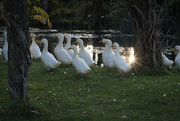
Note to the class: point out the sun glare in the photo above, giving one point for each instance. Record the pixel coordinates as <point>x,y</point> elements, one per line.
<point>131,57</point>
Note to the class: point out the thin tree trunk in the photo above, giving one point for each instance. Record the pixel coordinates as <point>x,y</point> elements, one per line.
<point>145,26</point>
<point>19,59</point>
<point>97,13</point>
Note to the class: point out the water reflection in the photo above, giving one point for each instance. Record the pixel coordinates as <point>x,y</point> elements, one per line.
<point>92,45</point>
<point>96,52</point>
<point>91,42</point>
<point>131,56</point>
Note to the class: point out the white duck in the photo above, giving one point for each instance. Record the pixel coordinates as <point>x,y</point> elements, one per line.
<point>119,62</point>
<point>68,44</point>
<point>177,59</point>
<point>34,48</point>
<point>78,63</point>
<point>0,51</point>
<point>166,61</point>
<point>60,52</point>
<point>84,54</point>
<point>5,47</point>
<point>109,55</point>
<point>47,58</point>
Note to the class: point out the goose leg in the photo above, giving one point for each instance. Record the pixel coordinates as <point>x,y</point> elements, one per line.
<point>123,74</point>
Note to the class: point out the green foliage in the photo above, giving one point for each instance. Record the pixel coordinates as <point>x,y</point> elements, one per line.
<point>121,18</point>
<point>171,2</point>
<point>3,19</point>
<point>37,13</point>
<point>62,95</point>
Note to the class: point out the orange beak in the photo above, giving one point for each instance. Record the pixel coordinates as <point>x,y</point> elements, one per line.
<point>55,36</point>
<point>69,48</point>
<point>38,41</point>
<point>174,49</point>
<point>102,42</point>
<point>75,42</point>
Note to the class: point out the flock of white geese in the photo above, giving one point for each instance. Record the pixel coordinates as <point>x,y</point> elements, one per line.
<point>81,61</point>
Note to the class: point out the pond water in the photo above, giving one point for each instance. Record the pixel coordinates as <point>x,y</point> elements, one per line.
<point>91,42</point>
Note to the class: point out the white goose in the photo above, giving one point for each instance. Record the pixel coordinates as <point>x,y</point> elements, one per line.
<point>119,62</point>
<point>47,58</point>
<point>68,44</point>
<point>109,55</point>
<point>60,52</point>
<point>166,61</point>
<point>78,63</point>
<point>34,48</point>
<point>0,51</point>
<point>177,59</point>
<point>5,47</point>
<point>84,54</point>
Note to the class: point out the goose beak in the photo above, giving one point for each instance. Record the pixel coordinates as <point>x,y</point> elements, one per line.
<point>75,42</point>
<point>55,36</point>
<point>173,49</point>
<point>38,41</point>
<point>102,42</point>
<point>69,48</point>
<point>112,46</point>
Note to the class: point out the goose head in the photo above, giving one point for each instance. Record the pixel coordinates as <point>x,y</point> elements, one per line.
<point>115,44</point>
<point>108,42</point>
<point>33,36</point>
<point>177,47</point>
<point>103,41</point>
<point>44,40</point>
<point>5,34</point>
<point>67,36</point>
<point>79,41</point>
<point>73,47</point>
<point>60,36</point>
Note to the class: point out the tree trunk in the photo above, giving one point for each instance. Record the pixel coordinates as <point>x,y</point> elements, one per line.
<point>97,13</point>
<point>19,59</point>
<point>147,47</point>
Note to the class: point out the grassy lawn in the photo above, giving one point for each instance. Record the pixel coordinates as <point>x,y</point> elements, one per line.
<point>104,96</point>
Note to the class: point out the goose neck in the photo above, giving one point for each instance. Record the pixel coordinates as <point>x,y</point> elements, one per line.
<point>75,54</point>
<point>82,46</point>
<point>68,44</point>
<point>33,41</point>
<point>45,49</point>
<point>60,43</point>
<point>178,55</point>
<point>117,51</point>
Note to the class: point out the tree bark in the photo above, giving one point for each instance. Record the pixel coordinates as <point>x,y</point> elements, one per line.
<point>147,47</point>
<point>97,13</point>
<point>19,59</point>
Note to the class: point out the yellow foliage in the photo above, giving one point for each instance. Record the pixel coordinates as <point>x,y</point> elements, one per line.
<point>41,15</point>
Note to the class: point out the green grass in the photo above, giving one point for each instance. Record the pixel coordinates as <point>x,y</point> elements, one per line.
<point>104,96</point>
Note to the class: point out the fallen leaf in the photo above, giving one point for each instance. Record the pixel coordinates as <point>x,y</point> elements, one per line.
<point>89,118</point>
<point>124,117</point>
